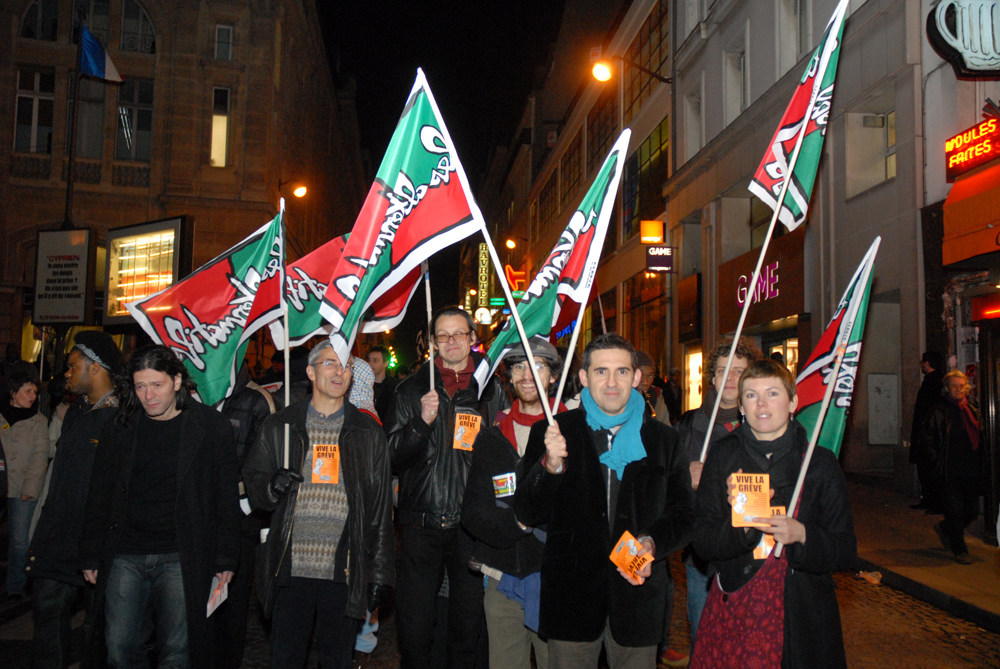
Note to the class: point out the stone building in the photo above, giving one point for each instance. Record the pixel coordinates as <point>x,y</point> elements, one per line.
<point>223,104</point>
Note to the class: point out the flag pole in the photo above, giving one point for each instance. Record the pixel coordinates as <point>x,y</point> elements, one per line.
<point>569,353</point>
<point>517,322</point>
<point>284,317</point>
<point>70,170</point>
<point>600,307</point>
<point>425,268</point>
<point>752,290</point>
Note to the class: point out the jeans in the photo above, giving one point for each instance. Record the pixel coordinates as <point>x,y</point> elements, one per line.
<point>425,555</point>
<point>52,610</point>
<point>141,589</point>
<point>18,521</point>
<point>295,608</point>
<point>697,595</point>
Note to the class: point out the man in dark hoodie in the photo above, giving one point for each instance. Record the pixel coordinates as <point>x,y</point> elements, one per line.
<point>95,366</point>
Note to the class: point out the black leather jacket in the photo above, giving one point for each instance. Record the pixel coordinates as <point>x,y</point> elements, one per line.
<point>364,463</point>
<point>432,474</point>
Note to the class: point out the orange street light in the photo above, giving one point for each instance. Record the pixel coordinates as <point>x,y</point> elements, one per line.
<point>511,244</point>
<point>299,190</point>
<point>604,69</point>
<point>472,291</point>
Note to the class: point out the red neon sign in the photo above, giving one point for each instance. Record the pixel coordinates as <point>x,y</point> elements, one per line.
<point>985,307</point>
<point>971,148</point>
<point>514,277</point>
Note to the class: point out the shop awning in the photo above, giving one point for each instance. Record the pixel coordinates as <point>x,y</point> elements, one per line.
<point>972,217</point>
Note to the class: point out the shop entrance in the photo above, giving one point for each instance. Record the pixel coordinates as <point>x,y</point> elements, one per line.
<point>786,343</point>
<point>989,406</point>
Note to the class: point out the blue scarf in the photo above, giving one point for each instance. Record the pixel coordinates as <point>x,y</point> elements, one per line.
<point>628,442</point>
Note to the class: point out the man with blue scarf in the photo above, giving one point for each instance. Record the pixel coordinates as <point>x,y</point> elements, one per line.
<point>600,470</point>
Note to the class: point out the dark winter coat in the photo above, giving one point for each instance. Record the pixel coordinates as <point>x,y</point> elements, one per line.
<point>813,636</point>
<point>928,395</point>
<point>54,552</point>
<point>364,463</point>
<point>581,589</point>
<point>947,445</point>
<point>432,474</point>
<point>207,511</point>
<point>499,541</point>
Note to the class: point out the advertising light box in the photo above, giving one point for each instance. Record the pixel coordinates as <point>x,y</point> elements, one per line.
<point>971,148</point>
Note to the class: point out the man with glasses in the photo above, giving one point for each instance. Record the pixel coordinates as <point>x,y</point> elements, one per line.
<point>329,551</point>
<point>431,445</point>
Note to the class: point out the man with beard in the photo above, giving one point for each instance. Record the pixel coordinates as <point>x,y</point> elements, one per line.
<point>510,552</point>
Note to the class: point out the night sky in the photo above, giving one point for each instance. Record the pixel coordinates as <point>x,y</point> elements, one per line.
<point>481,59</point>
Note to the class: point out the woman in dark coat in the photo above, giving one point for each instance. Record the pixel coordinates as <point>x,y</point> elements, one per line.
<point>819,540</point>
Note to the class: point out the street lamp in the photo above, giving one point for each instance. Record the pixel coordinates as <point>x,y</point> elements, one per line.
<point>511,244</point>
<point>604,69</point>
<point>299,190</point>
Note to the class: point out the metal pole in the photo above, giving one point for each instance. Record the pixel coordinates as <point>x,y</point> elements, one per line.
<point>425,268</point>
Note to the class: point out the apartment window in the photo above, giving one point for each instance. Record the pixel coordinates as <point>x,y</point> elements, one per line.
<point>651,49</point>
<point>220,126</point>
<point>90,122</point>
<point>569,170</point>
<point>602,123</point>
<point>692,15</point>
<point>96,14</point>
<point>223,42</point>
<point>643,178</point>
<point>41,20</point>
<point>134,136</point>
<point>871,150</point>
<point>137,29</point>
<point>793,33</point>
<point>693,123</point>
<point>735,80</point>
<point>760,218</point>
<point>548,202</point>
<point>34,115</point>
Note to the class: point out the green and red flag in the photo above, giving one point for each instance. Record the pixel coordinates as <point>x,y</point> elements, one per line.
<point>203,318</point>
<point>845,332</point>
<point>568,273</point>
<point>419,204</point>
<point>306,281</point>
<point>808,112</point>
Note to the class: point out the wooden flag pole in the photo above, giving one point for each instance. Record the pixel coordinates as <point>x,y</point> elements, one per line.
<point>517,322</point>
<point>284,317</point>
<point>569,354</point>
<point>751,291</point>
<point>425,268</point>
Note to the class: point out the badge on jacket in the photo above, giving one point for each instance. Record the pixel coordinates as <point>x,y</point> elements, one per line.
<point>466,429</point>
<point>504,485</point>
<point>326,464</point>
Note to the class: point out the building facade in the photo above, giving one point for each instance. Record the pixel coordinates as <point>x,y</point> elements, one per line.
<point>225,107</point>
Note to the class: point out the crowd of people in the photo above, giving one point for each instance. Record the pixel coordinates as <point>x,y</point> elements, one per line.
<point>165,515</point>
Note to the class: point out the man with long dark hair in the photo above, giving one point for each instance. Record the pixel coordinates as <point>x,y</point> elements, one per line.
<point>162,516</point>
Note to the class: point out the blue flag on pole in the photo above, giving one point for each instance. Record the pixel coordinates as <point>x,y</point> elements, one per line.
<point>94,60</point>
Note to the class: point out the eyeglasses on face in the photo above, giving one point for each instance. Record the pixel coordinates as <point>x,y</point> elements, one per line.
<point>333,366</point>
<point>444,337</point>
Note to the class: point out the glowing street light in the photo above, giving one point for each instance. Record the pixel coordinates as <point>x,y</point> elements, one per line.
<point>511,244</point>
<point>604,69</point>
<point>299,191</point>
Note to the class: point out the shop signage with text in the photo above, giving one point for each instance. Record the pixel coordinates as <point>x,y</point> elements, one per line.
<point>767,285</point>
<point>660,258</point>
<point>971,148</point>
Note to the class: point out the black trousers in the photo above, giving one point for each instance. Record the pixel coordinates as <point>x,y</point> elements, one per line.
<point>961,507</point>
<point>425,556</point>
<point>297,606</point>
<point>230,620</point>
<point>52,611</point>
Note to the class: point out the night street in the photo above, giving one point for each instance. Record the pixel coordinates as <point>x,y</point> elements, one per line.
<point>883,627</point>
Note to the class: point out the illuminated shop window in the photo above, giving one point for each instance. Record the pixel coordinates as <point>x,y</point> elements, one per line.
<point>140,265</point>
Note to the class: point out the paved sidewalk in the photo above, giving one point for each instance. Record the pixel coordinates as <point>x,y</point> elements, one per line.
<point>901,543</point>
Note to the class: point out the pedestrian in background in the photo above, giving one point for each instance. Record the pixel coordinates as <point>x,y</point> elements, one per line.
<point>932,366</point>
<point>24,434</point>
<point>951,432</point>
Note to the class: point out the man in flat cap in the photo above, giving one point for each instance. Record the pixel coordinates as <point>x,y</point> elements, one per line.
<point>95,366</point>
